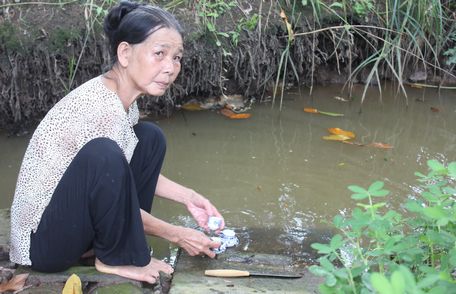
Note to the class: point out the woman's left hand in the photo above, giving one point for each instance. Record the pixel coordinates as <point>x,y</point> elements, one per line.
<point>201,209</point>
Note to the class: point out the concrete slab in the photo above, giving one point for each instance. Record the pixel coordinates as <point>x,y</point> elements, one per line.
<point>189,274</point>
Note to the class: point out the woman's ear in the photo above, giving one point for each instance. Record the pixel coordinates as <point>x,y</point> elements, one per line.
<point>123,53</point>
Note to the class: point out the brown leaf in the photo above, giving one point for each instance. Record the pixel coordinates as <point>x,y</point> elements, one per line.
<point>15,284</point>
<point>226,112</point>
<point>231,114</point>
<point>434,109</point>
<point>310,110</point>
<point>338,131</point>
<point>240,116</point>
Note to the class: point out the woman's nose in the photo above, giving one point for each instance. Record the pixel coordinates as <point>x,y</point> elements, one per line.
<point>168,66</point>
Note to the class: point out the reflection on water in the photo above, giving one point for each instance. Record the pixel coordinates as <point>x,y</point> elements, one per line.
<point>273,177</point>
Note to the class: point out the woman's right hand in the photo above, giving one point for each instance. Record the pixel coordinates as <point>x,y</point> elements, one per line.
<point>196,242</point>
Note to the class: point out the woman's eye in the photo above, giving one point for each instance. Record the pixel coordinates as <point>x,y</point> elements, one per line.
<point>178,58</point>
<point>159,53</point>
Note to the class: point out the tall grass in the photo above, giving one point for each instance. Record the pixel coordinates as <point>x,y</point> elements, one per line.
<point>401,35</point>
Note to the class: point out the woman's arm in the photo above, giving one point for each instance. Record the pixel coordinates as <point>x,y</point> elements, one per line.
<point>200,208</point>
<point>192,241</point>
<point>172,190</point>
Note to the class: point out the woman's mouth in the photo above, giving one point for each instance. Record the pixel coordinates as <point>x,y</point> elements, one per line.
<point>163,85</point>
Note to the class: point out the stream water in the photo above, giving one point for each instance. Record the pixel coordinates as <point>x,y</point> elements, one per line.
<point>274,178</point>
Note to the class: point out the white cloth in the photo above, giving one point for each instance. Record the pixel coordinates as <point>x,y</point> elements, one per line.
<point>90,111</point>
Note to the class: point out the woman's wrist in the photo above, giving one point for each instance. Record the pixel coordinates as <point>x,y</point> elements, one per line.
<point>175,234</point>
<point>189,196</point>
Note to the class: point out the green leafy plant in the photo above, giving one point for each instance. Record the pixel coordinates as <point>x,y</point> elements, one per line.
<point>451,53</point>
<point>382,250</point>
<point>245,24</point>
<point>210,11</point>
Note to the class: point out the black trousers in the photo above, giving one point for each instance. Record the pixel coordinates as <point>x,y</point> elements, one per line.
<point>97,205</point>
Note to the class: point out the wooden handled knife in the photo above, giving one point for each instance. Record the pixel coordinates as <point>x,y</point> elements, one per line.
<point>231,273</point>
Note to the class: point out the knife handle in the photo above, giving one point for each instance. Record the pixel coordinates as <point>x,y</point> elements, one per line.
<point>226,273</point>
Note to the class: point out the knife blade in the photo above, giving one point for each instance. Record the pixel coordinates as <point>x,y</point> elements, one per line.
<point>232,273</point>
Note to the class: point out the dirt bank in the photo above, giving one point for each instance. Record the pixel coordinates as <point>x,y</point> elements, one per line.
<point>47,50</point>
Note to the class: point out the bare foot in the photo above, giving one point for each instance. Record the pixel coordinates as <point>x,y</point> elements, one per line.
<point>148,273</point>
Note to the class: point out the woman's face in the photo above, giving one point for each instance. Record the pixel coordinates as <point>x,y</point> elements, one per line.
<point>155,63</point>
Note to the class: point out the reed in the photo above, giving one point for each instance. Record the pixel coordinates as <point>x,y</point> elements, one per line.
<point>401,35</point>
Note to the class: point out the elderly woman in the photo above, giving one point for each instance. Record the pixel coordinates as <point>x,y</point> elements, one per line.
<point>91,170</point>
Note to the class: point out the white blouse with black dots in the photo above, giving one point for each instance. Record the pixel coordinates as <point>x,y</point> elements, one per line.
<point>90,111</point>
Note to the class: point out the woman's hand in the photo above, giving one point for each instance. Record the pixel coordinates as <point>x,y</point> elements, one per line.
<point>201,209</point>
<point>195,242</point>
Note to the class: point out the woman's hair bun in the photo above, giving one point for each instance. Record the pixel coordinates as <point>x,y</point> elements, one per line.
<point>117,13</point>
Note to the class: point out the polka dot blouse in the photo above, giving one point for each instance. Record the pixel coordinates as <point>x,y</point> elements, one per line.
<point>90,111</point>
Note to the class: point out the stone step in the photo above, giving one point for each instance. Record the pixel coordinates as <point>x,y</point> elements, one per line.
<point>189,275</point>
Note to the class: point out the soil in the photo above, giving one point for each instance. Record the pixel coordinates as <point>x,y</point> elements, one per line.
<point>44,54</point>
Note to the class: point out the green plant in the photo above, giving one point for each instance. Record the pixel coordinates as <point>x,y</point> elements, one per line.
<point>285,58</point>
<point>451,53</point>
<point>94,13</point>
<point>60,39</point>
<point>381,250</point>
<point>400,34</point>
<point>245,24</point>
<point>8,37</point>
<point>210,11</point>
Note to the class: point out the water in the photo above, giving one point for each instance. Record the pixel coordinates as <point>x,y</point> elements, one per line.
<point>274,178</point>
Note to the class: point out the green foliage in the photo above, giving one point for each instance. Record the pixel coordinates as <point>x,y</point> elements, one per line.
<point>8,37</point>
<point>380,250</point>
<point>451,53</point>
<point>362,7</point>
<point>210,11</point>
<point>62,38</point>
<point>248,24</point>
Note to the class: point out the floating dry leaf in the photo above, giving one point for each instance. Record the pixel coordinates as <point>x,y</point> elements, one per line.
<point>337,138</point>
<point>231,114</point>
<point>310,110</point>
<point>15,284</point>
<point>240,116</point>
<point>314,110</point>
<point>338,131</point>
<point>73,285</point>
<point>434,109</point>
